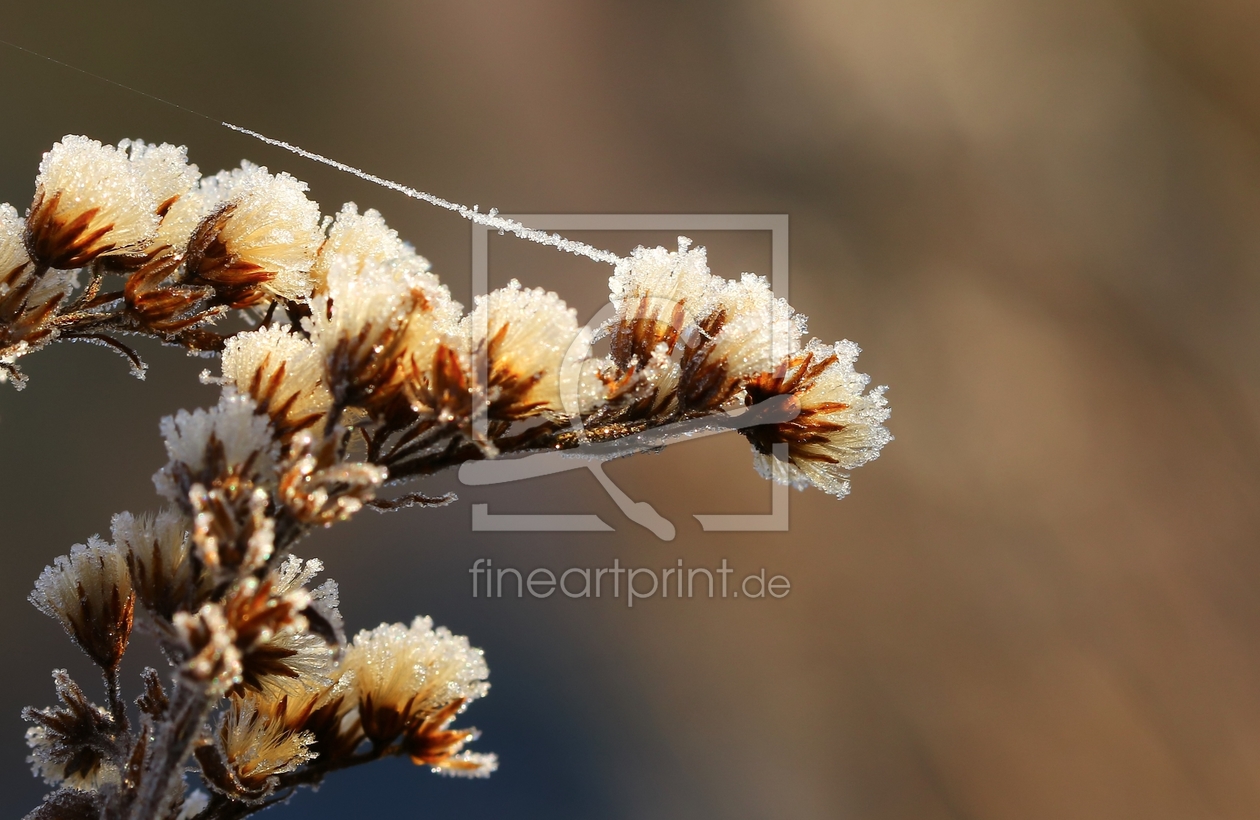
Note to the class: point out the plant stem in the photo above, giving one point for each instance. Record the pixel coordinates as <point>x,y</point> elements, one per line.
<point>117,708</point>
<point>179,731</point>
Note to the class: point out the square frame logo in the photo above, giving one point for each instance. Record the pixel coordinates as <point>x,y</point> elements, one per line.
<point>640,512</point>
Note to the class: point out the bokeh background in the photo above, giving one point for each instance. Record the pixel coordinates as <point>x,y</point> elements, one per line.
<point>1040,220</point>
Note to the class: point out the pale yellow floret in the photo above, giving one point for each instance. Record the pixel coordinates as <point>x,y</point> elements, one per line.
<point>272,226</point>
<point>528,333</point>
<point>252,363</point>
<point>80,589</point>
<point>398,665</point>
<point>81,174</point>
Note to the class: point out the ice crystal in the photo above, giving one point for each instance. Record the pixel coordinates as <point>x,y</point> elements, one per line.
<point>65,742</point>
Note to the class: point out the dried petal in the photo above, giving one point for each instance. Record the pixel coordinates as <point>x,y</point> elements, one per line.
<point>216,447</point>
<point>251,747</point>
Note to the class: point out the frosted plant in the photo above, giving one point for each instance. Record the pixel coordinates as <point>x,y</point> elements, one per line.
<point>359,371</point>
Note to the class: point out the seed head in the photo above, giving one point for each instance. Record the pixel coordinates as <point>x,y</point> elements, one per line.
<point>839,426</point>
<point>259,239</point>
<point>282,372</point>
<point>90,202</point>
<point>89,591</point>
<point>524,336</point>
<point>406,674</point>
<point>158,553</point>
<point>251,747</point>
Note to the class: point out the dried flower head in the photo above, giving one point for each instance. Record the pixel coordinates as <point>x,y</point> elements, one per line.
<point>405,674</point>
<point>29,298</point>
<point>839,426</point>
<point>524,336</point>
<point>221,464</point>
<point>89,592</point>
<point>228,443</point>
<point>72,745</point>
<point>270,628</point>
<point>165,171</point>
<point>90,203</point>
<point>365,265</point>
<point>373,373</point>
<point>376,325</point>
<point>282,372</point>
<point>250,748</point>
<point>748,332</point>
<point>158,553</point>
<point>259,240</point>
<point>658,295</point>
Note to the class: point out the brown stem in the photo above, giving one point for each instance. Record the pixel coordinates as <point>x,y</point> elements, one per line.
<point>117,708</point>
<point>180,730</point>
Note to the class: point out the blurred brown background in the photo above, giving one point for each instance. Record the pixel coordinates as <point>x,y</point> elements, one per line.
<point>1038,219</point>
